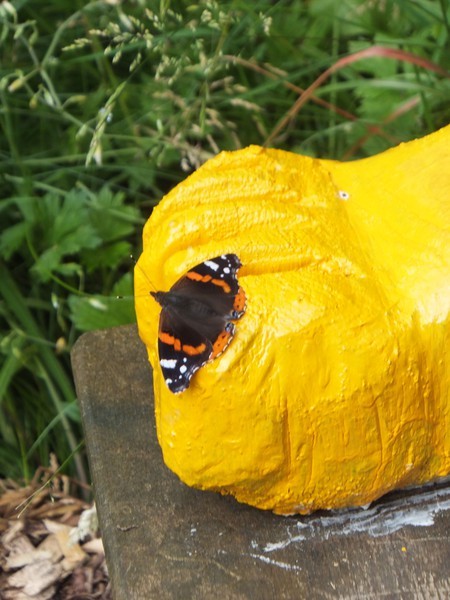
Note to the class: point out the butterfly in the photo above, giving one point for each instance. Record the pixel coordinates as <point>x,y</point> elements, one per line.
<point>195,324</point>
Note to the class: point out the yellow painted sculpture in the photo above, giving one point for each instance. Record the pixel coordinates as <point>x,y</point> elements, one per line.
<point>335,388</point>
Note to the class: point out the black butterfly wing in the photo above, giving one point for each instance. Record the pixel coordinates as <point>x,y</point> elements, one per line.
<point>215,283</point>
<point>195,318</point>
<point>182,350</point>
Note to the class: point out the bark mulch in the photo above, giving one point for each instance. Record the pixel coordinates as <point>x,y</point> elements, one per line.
<point>49,544</point>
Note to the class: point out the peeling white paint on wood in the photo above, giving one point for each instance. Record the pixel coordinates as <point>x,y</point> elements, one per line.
<point>381,519</point>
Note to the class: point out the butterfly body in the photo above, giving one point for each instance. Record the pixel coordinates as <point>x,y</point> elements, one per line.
<point>196,318</point>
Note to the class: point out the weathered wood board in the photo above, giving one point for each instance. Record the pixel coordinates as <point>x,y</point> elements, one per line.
<point>165,540</point>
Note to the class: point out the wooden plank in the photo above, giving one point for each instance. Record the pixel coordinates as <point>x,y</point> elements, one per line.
<point>165,540</point>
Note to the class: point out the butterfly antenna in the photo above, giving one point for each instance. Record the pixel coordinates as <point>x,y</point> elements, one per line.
<point>152,287</point>
<point>135,264</point>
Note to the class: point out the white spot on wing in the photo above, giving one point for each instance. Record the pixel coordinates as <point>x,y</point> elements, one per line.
<point>167,363</point>
<point>212,265</point>
<point>183,369</point>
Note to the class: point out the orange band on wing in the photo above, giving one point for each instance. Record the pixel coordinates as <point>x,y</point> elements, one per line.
<point>208,279</point>
<point>193,350</point>
<point>197,277</point>
<point>222,284</point>
<point>221,343</point>
<point>239,301</point>
<point>170,340</point>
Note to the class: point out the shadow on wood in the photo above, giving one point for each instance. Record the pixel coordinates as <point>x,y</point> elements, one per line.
<point>165,540</point>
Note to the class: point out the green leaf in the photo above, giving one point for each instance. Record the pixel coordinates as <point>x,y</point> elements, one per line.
<point>56,227</point>
<point>110,217</point>
<point>112,221</point>
<point>106,256</point>
<point>12,239</point>
<point>101,312</point>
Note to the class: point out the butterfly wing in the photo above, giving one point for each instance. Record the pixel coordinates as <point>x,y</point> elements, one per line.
<point>215,282</point>
<point>195,325</point>
<point>182,351</point>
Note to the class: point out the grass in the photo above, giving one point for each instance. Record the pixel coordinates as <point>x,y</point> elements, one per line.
<point>104,106</point>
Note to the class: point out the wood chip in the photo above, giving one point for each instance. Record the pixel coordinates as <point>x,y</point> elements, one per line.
<point>52,546</point>
<point>19,545</point>
<point>39,558</point>
<point>74,555</point>
<point>48,594</point>
<point>94,546</point>
<point>12,533</point>
<point>36,577</point>
<point>15,561</point>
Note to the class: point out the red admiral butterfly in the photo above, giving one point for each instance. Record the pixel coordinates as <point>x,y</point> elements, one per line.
<point>195,323</point>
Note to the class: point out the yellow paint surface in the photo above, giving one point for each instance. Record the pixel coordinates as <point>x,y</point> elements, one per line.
<point>335,388</point>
